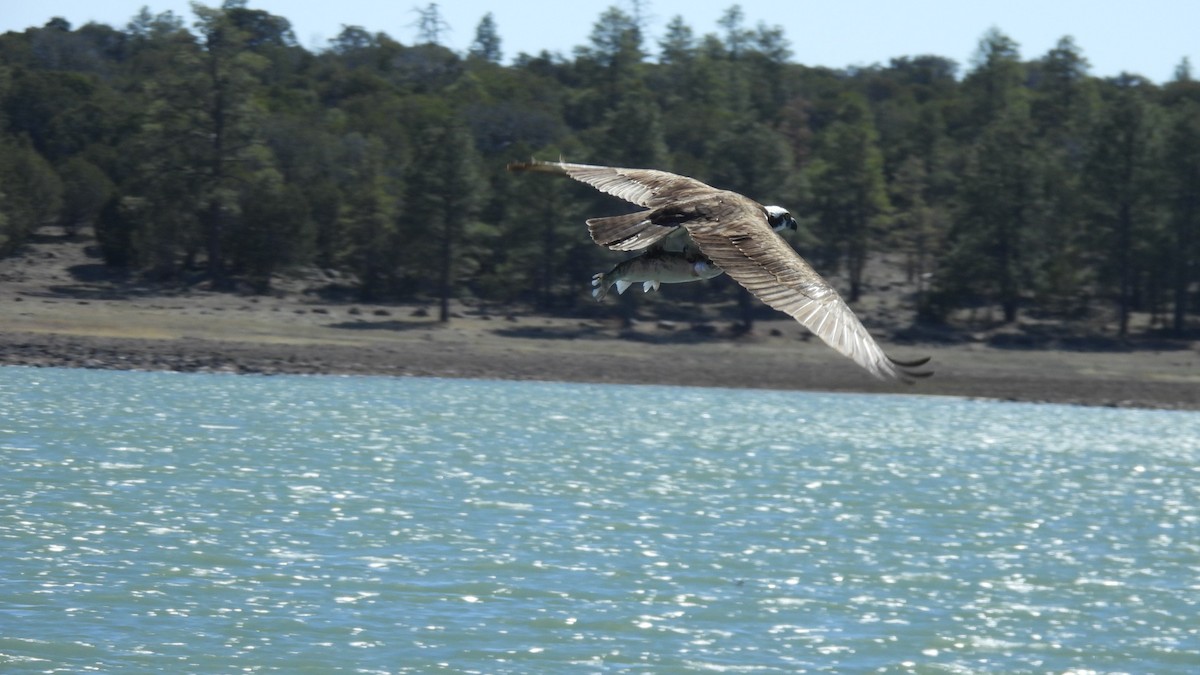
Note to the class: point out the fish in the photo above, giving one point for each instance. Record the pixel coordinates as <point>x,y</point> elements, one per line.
<point>652,269</point>
<point>658,267</point>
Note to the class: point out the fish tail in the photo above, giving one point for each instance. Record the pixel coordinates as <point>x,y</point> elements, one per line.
<point>614,277</point>
<point>600,284</point>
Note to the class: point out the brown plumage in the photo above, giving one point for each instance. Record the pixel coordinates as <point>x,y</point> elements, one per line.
<point>738,235</point>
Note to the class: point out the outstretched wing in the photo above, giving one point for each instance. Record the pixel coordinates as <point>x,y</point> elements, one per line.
<point>645,187</point>
<point>761,261</point>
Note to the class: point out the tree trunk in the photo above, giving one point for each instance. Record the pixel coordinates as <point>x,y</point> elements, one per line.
<point>1183,262</point>
<point>214,218</point>
<point>546,271</point>
<point>216,256</point>
<point>746,303</point>
<point>1124,241</point>
<point>1008,282</point>
<point>447,274</point>
<point>855,268</point>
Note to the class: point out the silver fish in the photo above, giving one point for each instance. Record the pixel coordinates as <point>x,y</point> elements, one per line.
<point>672,260</point>
<point>653,269</point>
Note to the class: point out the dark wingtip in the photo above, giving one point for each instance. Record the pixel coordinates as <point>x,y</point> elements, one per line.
<point>910,364</point>
<point>905,370</point>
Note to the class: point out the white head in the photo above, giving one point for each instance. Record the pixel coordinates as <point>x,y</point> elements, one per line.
<point>780,219</point>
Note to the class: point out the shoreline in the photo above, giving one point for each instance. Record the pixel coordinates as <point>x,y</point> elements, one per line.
<point>59,307</point>
<point>1109,380</point>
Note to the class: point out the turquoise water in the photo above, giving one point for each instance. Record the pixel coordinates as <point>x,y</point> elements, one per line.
<point>156,522</point>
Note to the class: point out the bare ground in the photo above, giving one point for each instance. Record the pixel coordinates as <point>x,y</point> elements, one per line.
<point>60,307</point>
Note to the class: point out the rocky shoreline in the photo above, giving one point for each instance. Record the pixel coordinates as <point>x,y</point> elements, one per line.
<point>966,373</point>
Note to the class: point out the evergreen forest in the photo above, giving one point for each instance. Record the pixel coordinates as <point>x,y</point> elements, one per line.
<point>213,149</point>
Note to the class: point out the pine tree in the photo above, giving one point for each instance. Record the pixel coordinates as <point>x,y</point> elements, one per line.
<point>200,133</point>
<point>999,209</point>
<point>994,83</point>
<point>737,36</point>
<point>1062,110</point>
<point>847,177</point>
<point>31,193</point>
<point>678,44</point>
<point>1121,189</point>
<point>430,24</point>
<point>486,46</point>
<point>616,48</point>
<point>916,228</point>
<point>1182,187</point>
<point>999,189</point>
<point>444,194</point>
<point>86,189</point>
<point>367,215</point>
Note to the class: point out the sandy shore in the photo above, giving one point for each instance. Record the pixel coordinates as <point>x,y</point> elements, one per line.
<point>63,310</point>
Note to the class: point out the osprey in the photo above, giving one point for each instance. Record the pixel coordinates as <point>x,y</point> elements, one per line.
<point>737,234</point>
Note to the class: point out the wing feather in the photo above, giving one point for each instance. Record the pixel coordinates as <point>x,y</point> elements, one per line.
<point>762,262</point>
<point>644,187</point>
<point>630,232</point>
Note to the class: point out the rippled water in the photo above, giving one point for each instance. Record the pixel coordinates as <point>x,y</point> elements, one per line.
<point>208,523</point>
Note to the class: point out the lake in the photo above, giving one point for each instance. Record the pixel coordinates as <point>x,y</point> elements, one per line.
<point>205,523</point>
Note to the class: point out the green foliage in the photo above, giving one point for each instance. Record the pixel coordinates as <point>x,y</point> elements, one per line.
<point>1122,184</point>
<point>486,46</point>
<point>991,242</point>
<point>1182,197</point>
<point>31,193</point>
<point>86,189</point>
<point>366,235</point>
<point>444,194</point>
<point>218,149</point>
<point>851,196</point>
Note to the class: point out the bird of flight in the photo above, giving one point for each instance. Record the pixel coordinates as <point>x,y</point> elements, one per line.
<point>691,231</point>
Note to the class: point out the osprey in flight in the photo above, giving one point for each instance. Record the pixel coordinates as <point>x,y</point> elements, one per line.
<point>737,235</point>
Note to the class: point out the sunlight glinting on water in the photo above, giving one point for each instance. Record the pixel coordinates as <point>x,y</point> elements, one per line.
<point>217,523</point>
